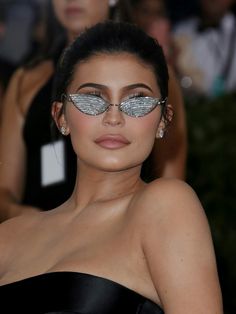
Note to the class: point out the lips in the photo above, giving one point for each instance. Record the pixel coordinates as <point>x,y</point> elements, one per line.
<point>73,10</point>
<point>112,141</point>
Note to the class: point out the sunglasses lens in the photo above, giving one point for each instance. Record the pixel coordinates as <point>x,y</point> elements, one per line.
<point>89,104</point>
<point>139,106</point>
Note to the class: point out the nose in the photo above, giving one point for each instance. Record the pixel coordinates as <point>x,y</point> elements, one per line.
<point>113,116</point>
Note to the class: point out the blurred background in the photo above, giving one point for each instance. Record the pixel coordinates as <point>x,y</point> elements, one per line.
<point>199,41</point>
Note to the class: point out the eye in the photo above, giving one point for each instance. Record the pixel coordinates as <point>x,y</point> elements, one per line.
<point>95,93</point>
<point>138,94</point>
<point>89,104</point>
<point>139,106</point>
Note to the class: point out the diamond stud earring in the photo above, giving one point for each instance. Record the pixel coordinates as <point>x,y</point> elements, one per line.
<point>63,130</point>
<point>161,133</point>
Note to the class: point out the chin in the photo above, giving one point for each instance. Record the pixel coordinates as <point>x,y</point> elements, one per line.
<point>113,166</point>
<point>116,165</point>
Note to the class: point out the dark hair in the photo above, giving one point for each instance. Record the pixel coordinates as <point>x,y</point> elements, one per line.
<point>108,38</point>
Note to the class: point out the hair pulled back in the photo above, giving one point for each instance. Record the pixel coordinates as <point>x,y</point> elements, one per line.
<point>110,38</point>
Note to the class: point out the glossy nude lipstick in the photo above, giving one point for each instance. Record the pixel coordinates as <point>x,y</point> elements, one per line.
<point>112,141</point>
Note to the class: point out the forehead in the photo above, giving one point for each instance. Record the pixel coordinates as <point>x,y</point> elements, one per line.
<point>119,68</point>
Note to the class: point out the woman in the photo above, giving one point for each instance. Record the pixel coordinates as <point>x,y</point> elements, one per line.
<point>38,174</point>
<point>119,245</point>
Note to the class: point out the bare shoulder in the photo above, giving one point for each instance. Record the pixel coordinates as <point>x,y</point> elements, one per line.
<point>15,234</point>
<point>168,197</point>
<point>42,69</point>
<point>30,75</point>
<point>29,218</point>
<point>18,224</point>
<point>169,208</point>
<point>34,78</point>
<point>176,241</point>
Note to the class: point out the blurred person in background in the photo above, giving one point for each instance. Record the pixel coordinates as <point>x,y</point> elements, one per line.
<point>18,23</point>
<point>168,157</point>
<point>19,19</point>
<point>15,41</point>
<point>206,50</point>
<point>151,16</point>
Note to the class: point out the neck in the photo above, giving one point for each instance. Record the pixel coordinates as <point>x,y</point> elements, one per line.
<point>94,185</point>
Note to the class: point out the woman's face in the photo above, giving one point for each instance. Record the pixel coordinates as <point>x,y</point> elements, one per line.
<point>148,11</point>
<point>76,15</point>
<point>112,141</point>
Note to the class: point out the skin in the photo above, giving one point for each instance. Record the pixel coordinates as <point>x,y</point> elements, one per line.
<point>138,236</point>
<point>75,15</point>
<point>168,156</point>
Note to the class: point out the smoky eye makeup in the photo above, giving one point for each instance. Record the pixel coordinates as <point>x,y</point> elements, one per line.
<point>134,95</point>
<point>136,100</point>
<point>89,104</point>
<point>133,107</point>
<point>96,93</point>
<point>139,106</point>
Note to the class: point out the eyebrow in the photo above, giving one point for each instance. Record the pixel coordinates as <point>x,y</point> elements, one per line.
<point>101,86</point>
<point>133,86</point>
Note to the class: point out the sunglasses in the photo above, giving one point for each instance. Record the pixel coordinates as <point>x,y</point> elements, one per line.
<point>94,105</point>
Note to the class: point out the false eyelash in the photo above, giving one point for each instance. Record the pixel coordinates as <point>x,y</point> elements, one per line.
<point>138,94</point>
<point>95,93</point>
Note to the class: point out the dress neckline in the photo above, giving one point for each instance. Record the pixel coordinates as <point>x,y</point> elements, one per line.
<point>77,274</point>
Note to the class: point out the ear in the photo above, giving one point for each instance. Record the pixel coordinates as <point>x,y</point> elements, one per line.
<point>164,122</point>
<point>58,115</point>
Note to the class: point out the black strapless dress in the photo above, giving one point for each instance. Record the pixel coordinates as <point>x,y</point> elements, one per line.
<point>72,292</point>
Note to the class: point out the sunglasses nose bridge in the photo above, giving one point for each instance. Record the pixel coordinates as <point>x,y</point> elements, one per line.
<point>113,116</point>
<point>113,105</point>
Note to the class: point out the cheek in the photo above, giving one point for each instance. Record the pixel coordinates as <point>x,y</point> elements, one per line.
<point>100,11</point>
<point>146,127</point>
<point>58,9</point>
<point>80,124</point>
<point>145,131</point>
<point>81,133</point>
